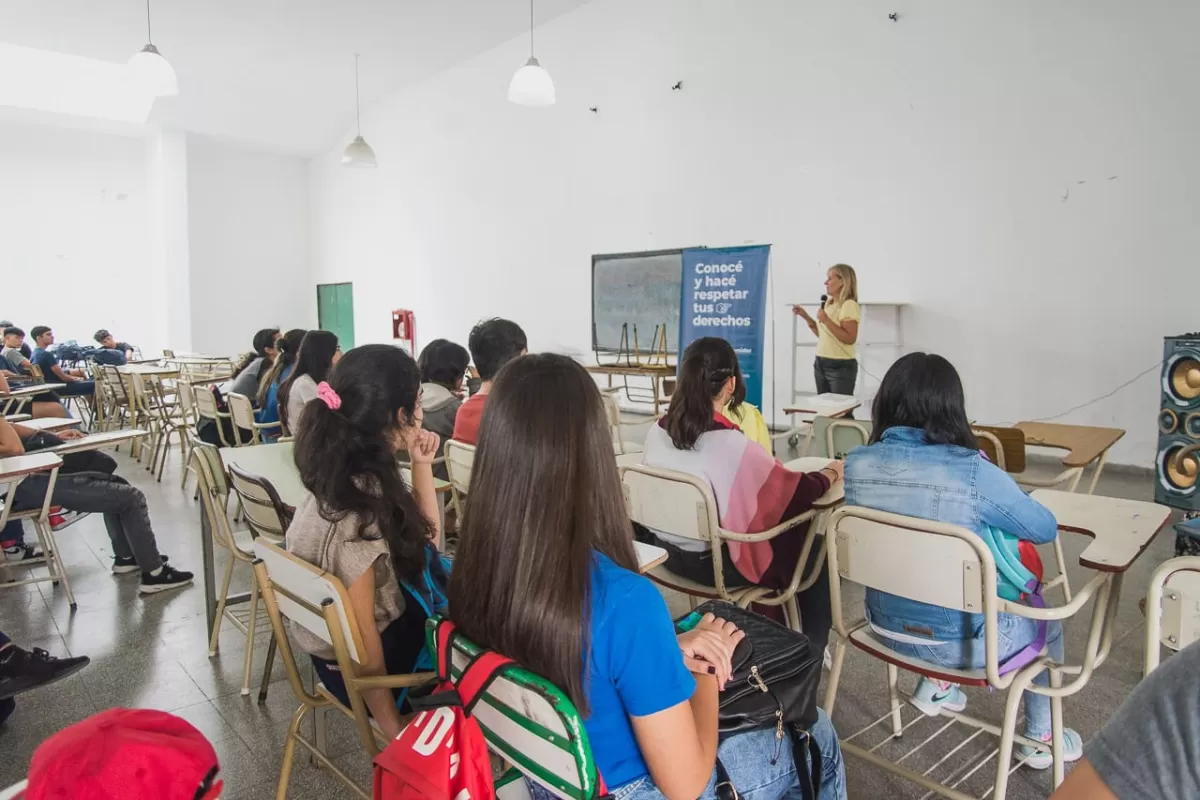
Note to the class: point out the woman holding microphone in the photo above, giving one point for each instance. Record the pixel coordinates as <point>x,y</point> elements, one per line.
<point>836,329</point>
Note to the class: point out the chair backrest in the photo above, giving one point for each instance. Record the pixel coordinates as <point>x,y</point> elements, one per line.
<point>187,400</point>
<point>670,502</point>
<point>1004,447</point>
<point>206,404</point>
<point>933,562</point>
<point>529,722</point>
<point>302,592</point>
<point>265,512</point>
<point>36,373</point>
<point>241,409</point>
<point>460,458</point>
<point>843,435</point>
<point>168,353</point>
<point>612,412</point>
<point>1172,607</point>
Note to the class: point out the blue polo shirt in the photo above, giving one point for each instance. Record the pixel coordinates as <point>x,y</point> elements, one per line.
<point>635,667</point>
<point>46,360</point>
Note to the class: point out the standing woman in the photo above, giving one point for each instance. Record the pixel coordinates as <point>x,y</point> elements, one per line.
<point>836,329</point>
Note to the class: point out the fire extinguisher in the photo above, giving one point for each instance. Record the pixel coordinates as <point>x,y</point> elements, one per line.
<point>404,328</point>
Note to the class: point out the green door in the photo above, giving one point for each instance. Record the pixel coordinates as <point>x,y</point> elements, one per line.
<point>335,311</point>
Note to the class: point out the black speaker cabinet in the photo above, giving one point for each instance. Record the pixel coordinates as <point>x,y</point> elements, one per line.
<point>1178,481</point>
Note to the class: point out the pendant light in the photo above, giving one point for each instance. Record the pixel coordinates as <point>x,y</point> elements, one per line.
<point>151,69</point>
<point>358,152</point>
<point>531,85</point>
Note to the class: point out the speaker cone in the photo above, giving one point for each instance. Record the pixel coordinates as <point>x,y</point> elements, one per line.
<point>1191,425</point>
<point>1180,474</point>
<point>1168,421</point>
<point>1184,378</point>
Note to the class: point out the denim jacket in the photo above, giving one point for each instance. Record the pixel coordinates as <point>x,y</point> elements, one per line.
<point>904,474</point>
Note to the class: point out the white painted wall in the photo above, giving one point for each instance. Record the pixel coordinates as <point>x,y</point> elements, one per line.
<point>248,244</point>
<point>1023,174</point>
<point>75,233</point>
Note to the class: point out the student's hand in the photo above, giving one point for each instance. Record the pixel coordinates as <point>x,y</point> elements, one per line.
<point>838,468</point>
<point>422,445</point>
<point>474,372</point>
<point>73,433</point>
<point>800,312</point>
<point>708,648</point>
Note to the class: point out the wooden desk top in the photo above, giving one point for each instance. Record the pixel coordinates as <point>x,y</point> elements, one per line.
<point>658,371</point>
<point>649,556</point>
<point>18,466</point>
<point>31,389</point>
<point>826,405</point>
<point>96,441</point>
<point>1120,529</point>
<point>836,493</point>
<point>1084,442</point>
<point>51,423</point>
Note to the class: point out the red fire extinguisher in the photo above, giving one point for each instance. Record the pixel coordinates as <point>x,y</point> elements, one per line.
<point>404,328</point>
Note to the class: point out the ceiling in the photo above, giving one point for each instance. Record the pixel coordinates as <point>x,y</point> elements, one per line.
<point>276,74</point>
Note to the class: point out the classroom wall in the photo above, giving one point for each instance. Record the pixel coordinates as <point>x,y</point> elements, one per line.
<point>1022,174</point>
<point>248,244</point>
<point>75,233</point>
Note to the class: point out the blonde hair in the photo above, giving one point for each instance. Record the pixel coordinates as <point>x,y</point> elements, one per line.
<point>849,282</point>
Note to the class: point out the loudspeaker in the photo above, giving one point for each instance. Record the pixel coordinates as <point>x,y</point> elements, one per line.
<point>1178,481</point>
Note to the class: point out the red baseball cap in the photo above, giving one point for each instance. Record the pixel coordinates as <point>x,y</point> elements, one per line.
<point>128,753</point>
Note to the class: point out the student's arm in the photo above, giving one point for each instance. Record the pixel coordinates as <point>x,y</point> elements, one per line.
<point>680,743</point>
<point>845,331</point>
<point>422,450</point>
<point>801,312</point>
<point>1004,505</point>
<point>380,701</point>
<point>10,440</point>
<point>62,374</point>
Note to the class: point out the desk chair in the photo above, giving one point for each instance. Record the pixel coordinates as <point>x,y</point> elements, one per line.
<point>206,408</point>
<point>317,602</point>
<point>612,412</point>
<point>951,567</point>
<point>242,411</point>
<point>188,419</point>
<point>460,458</point>
<point>1172,608</point>
<point>833,437</point>
<point>529,723</point>
<point>112,399</point>
<point>214,500</point>
<point>683,505</point>
<point>52,559</point>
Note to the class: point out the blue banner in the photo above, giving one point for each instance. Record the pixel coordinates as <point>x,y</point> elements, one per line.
<point>725,295</point>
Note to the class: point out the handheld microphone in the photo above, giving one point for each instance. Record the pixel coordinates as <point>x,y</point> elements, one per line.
<point>824,297</point>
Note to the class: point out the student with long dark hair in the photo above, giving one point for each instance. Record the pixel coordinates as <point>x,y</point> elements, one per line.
<point>923,461</point>
<point>568,603</point>
<point>250,371</point>
<point>753,490</point>
<point>360,521</point>
<point>318,353</point>
<point>267,398</point>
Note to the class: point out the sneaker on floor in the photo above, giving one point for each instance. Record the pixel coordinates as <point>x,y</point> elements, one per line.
<point>932,697</point>
<point>1044,759</point>
<point>167,578</point>
<point>122,566</point>
<point>22,552</point>
<point>7,707</point>
<point>22,670</point>
<point>61,518</point>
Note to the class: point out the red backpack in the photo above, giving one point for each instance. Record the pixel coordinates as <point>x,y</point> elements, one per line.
<point>441,754</point>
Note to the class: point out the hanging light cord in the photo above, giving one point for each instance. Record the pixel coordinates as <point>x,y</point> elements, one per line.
<point>149,38</point>
<point>357,118</point>
<point>530,27</point>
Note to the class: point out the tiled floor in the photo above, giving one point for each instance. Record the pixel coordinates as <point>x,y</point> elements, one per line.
<point>152,652</point>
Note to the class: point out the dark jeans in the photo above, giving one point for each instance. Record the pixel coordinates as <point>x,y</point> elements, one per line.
<point>87,461</point>
<point>837,375</point>
<point>402,641</point>
<point>78,389</point>
<point>816,610</point>
<point>124,508</point>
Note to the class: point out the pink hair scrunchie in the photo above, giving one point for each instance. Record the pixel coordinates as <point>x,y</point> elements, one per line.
<point>329,396</point>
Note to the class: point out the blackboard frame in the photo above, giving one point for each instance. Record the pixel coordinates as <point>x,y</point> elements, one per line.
<point>598,257</point>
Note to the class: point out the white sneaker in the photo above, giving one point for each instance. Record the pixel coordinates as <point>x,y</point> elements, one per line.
<point>1044,759</point>
<point>932,697</point>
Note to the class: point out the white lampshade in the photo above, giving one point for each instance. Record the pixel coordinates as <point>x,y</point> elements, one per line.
<point>531,85</point>
<point>154,72</point>
<point>359,154</point>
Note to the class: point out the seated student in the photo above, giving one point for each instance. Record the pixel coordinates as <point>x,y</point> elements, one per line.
<point>267,398</point>
<point>26,350</point>
<point>95,489</point>
<point>493,344</point>
<point>41,405</point>
<point>443,369</point>
<point>77,383</point>
<point>754,491</point>
<point>360,521</point>
<point>22,670</point>
<point>923,461</point>
<point>318,353</point>
<point>111,351</point>
<point>570,605</point>
<point>254,366</point>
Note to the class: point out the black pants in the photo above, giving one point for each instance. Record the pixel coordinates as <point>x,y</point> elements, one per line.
<point>402,642</point>
<point>816,609</point>
<point>87,461</point>
<point>836,375</point>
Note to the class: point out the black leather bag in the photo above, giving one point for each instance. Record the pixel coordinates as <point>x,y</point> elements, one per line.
<point>774,685</point>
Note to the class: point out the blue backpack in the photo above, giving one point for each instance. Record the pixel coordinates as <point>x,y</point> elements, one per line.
<point>1016,582</point>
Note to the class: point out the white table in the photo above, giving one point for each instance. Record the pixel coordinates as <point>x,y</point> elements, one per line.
<point>649,556</point>
<point>99,441</point>
<point>147,369</point>
<point>275,462</point>
<point>837,491</point>
<point>20,466</point>
<point>51,424</point>
<point>1120,529</point>
<point>825,405</point>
